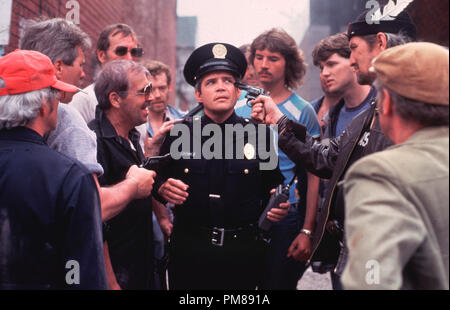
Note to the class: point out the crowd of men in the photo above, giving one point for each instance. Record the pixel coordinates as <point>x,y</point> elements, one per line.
<point>365,166</point>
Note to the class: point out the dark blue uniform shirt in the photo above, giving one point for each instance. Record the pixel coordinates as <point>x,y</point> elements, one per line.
<point>49,216</point>
<point>242,186</point>
<point>225,195</point>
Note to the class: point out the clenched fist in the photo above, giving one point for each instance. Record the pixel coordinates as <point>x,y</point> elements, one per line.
<point>144,179</point>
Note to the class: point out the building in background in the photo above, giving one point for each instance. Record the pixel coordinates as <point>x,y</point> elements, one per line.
<point>332,16</point>
<point>5,22</point>
<point>171,39</point>
<point>154,21</point>
<point>186,44</point>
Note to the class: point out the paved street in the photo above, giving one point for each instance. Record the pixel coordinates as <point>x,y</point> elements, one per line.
<point>314,281</point>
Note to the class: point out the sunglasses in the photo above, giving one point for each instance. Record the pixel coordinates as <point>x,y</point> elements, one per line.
<point>123,50</point>
<point>146,91</point>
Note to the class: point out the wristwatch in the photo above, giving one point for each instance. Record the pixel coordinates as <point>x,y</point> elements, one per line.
<point>306,232</point>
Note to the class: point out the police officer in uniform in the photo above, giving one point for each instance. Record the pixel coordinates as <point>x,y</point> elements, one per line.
<point>215,244</point>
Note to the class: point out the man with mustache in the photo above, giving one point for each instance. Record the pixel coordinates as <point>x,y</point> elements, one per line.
<point>161,117</point>
<point>124,91</point>
<point>362,136</point>
<point>280,68</point>
<point>118,41</point>
<point>397,200</point>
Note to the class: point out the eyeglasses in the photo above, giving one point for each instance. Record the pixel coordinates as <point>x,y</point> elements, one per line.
<point>146,91</point>
<point>123,50</point>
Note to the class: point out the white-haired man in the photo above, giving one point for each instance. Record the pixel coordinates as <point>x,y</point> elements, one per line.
<point>50,218</point>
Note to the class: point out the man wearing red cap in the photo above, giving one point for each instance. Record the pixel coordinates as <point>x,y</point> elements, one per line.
<point>71,136</point>
<point>49,205</point>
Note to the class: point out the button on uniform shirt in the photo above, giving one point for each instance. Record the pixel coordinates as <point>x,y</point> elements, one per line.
<point>224,193</point>
<point>130,233</point>
<point>50,218</point>
<point>240,183</point>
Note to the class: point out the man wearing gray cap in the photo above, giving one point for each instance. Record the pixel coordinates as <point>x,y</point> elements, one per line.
<point>397,201</point>
<point>220,190</point>
<point>361,137</point>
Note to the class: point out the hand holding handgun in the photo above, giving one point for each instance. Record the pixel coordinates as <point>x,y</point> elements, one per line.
<point>253,92</point>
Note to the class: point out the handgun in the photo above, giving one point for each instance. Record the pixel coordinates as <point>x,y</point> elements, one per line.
<point>157,162</point>
<point>281,195</point>
<point>253,92</point>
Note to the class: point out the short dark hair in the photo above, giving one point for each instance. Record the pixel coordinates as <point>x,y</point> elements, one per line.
<point>55,38</point>
<point>426,114</point>
<point>103,43</point>
<point>114,78</point>
<point>335,44</point>
<point>156,67</point>
<point>279,41</point>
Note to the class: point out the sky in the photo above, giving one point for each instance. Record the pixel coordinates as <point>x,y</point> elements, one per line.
<point>5,19</point>
<point>240,21</point>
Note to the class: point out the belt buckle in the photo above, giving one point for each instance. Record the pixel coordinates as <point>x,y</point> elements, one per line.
<point>217,236</point>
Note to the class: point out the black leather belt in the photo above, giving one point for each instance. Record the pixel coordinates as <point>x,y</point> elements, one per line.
<point>218,236</point>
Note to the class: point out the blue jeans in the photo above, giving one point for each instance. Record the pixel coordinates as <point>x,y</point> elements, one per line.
<point>280,272</point>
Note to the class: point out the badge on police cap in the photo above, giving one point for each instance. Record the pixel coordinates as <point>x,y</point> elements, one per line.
<point>249,151</point>
<point>219,51</point>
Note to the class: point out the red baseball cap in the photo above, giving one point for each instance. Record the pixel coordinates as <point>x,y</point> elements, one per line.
<point>26,71</point>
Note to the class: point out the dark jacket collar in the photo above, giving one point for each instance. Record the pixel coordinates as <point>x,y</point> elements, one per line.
<point>231,120</point>
<point>22,134</point>
<point>107,130</point>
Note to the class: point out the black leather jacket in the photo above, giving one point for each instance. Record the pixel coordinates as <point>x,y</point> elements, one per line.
<point>331,161</point>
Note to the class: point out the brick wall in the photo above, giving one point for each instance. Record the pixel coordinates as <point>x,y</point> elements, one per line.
<point>153,20</point>
<point>432,20</point>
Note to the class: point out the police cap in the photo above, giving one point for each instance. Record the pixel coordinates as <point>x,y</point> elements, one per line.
<point>214,57</point>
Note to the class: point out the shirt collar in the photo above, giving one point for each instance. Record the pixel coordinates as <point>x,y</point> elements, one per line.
<point>22,134</point>
<point>167,117</point>
<point>108,131</point>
